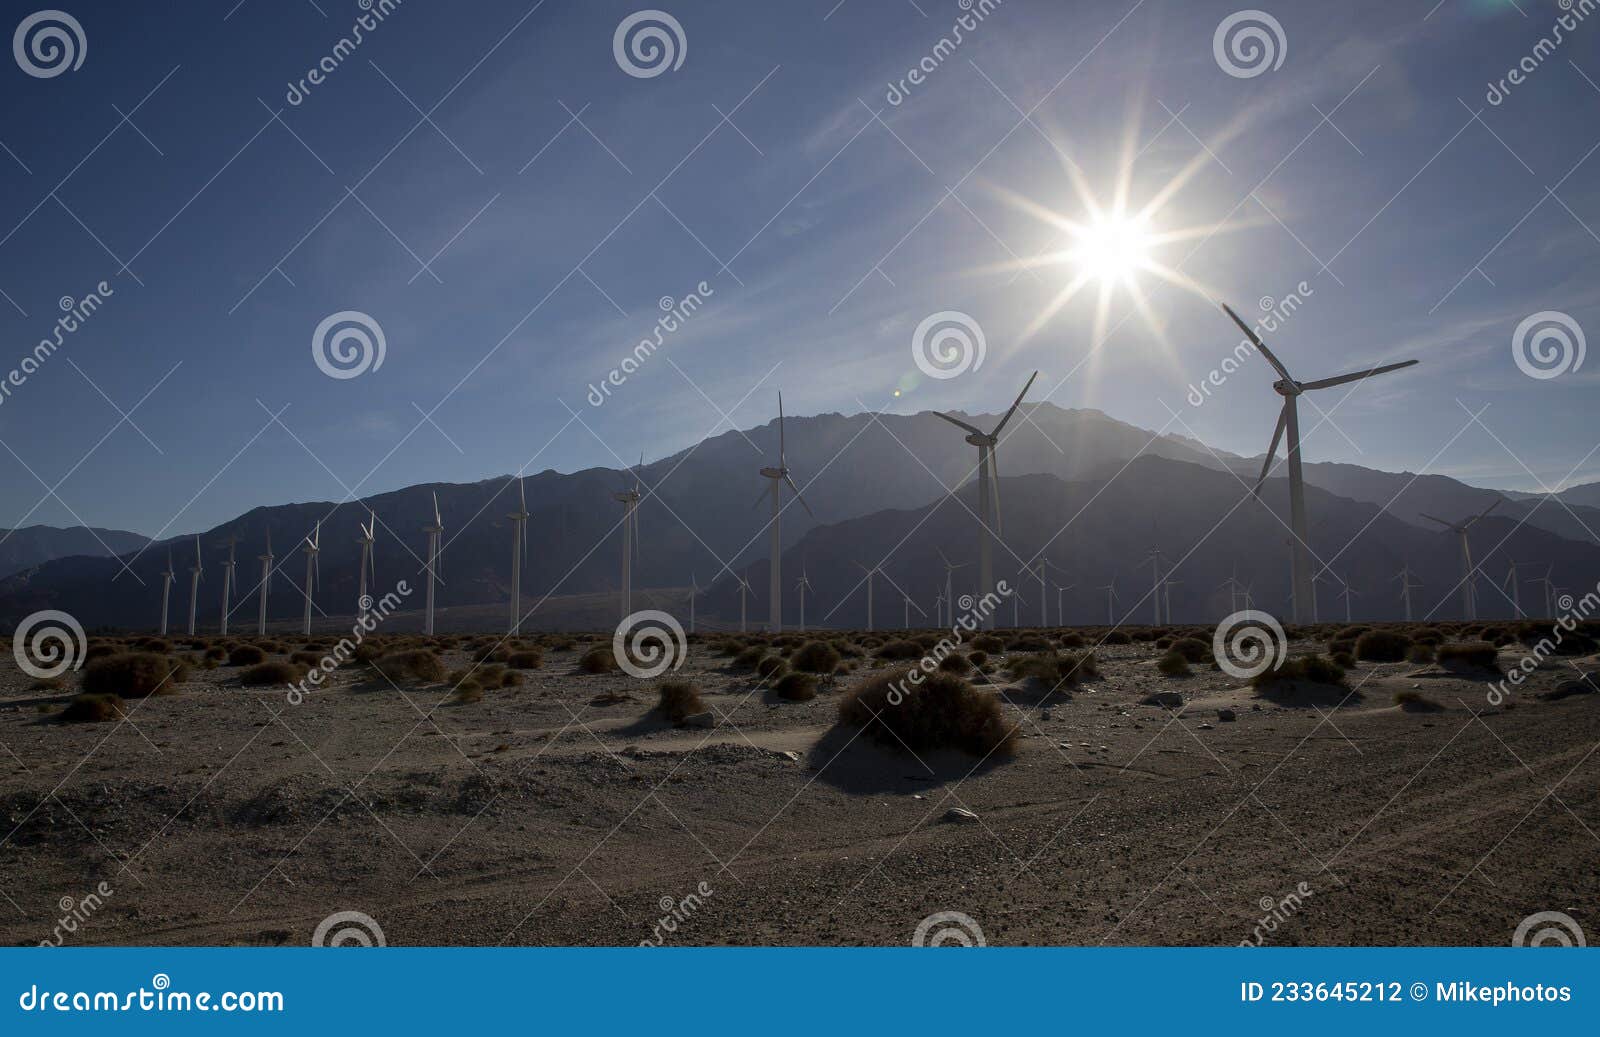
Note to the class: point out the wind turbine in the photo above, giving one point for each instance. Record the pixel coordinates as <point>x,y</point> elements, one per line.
<point>694,591</point>
<point>311,547</point>
<point>434,532</point>
<point>744,591</point>
<point>1166,593</point>
<point>1469,596</point>
<point>1061,612</point>
<point>870,573</point>
<point>266,584</point>
<point>1233,593</point>
<point>988,490</point>
<point>1044,598</point>
<point>1154,558</point>
<point>949,592</point>
<point>1017,601</point>
<point>363,602</point>
<point>1549,591</point>
<point>938,609</point>
<point>1111,602</point>
<point>1516,590</point>
<point>166,591</point>
<point>1406,586</point>
<point>802,585</point>
<point>629,499</point>
<point>519,553</point>
<point>228,571</point>
<point>1289,419</point>
<point>1348,592</point>
<point>194,584</point>
<point>779,476</point>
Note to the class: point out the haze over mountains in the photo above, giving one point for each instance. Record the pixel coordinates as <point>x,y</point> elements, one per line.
<point>878,486</point>
<point>33,545</point>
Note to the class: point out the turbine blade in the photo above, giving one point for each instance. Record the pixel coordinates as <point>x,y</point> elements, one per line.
<point>765,490</point>
<point>781,453</point>
<point>1442,522</point>
<point>1497,502</point>
<point>1272,451</point>
<point>797,495</point>
<point>522,495</point>
<point>1260,345</point>
<point>436,520</point>
<point>1015,405</point>
<point>1327,383</point>
<point>994,486</point>
<point>959,424</point>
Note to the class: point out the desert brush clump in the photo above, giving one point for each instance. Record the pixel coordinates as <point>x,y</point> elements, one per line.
<point>677,700</point>
<point>134,675</point>
<point>93,709</point>
<point>1117,637</point>
<point>941,712</point>
<point>1028,643</point>
<point>899,650</point>
<point>416,663</point>
<point>597,660</point>
<point>1192,649</point>
<point>749,658</point>
<point>1468,655</point>
<point>770,667</point>
<point>246,655</point>
<point>526,659</point>
<point>271,673</point>
<point>815,657</point>
<point>1415,701</point>
<point>955,662</point>
<point>1313,669</point>
<point>1382,646</point>
<point>797,686</point>
<point>1173,664</point>
<point>1420,653</point>
<point>1055,667</point>
<point>989,643</point>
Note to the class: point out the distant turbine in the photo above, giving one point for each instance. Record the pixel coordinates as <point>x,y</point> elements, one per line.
<point>227,582</point>
<point>266,584</point>
<point>1549,590</point>
<point>1289,419</point>
<point>1348,592</point>
<point>988,491</point>
<point>629,499</point>
<point>312,548</point>
<point>1516,591</point>
<point>870,573</point>
<point>194,584</point>
<point>1166,593</point>
<point>1469,595</point>
<point>802,585</point>
<point>779,477</point>
<point>1044,598</point>
<point>1111,602</point>
<point>938,609</point>
<point>1061,612</point>
<point>694,591</point>
<point>368,533</point>
<point>949,591</point>
<point>1406,587</point>
<point>1155,558</point>
<point>166,591</point>
<point>744,591</point>
<point>519,553</point>
<point>433,532</point>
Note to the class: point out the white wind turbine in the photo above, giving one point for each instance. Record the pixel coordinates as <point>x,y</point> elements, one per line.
<point>949,591</point>
<point>1061,611</point>
<point>1347,592</point>
<point>368,531</point>
<point>228,571</point>
<point>694,592</point>
<point>1406,586</point>
<point>1155,558</point>
<point>744,593</point>
<point>870,574</point>
<point>779,477</point>
<point>1469,594</point>
<point>802,585</point>
<point>1289,420</point>
<point>519,554</point>
<point>1549,591</point>
<point>1044,598</point>
<point>629,499</point>
<point>166,591</point>
<point>1166,594</point>
<point>434,531</point>
<point>1111,602</point>
<point>266,584</point>
<point>988,491</point>
<point>938,609</point>
<point>1515,587</point>
<point>311,547</point>
<point>194,584</point>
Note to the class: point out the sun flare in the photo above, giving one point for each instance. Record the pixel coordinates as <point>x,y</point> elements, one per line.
<point>1112,248</point>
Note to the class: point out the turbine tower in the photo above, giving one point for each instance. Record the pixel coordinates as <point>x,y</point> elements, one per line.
<point>988,491</point>
<point>1348,592</point>
<point>228,571</point>
<point>1155,558</point>
<point>779,476</point>
<point>166,591</point>
<point>363,601</point>
<point>1469,595</point>
<point>519,553</point>
<point>1061,612</point>
<point>1515,587</point>
<point>949,588</point>
<point>433,532</point>
<point>266,584</point>
<point>1289,419</point>
<point>802,585</point>
<point>1406,587</point>
<point>194,584</point>
<point>312,548</point>
<point>629,499</point>
<point>1111,602</point>
<point>1549,590</point>
<point>744,591</point>
<point>694,592</point>
<point>870,574</point>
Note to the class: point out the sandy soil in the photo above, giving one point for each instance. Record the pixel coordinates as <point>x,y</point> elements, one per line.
<point>224,815</point>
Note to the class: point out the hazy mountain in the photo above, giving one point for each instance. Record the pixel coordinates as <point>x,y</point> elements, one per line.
<point>32,545</point>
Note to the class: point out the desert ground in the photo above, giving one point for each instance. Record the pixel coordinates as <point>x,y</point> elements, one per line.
<point>1399,807</point>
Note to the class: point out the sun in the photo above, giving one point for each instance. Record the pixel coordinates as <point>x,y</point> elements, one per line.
<point>1112,248</point>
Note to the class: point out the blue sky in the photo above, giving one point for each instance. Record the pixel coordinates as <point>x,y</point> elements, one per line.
<point>555,199</point>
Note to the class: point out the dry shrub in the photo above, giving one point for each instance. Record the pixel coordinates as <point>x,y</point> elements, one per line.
<point>93,709</point>
<point>1419,653</point>
<point>469,690</point>
<point>797,686</point>
<point>1192,649</point>
<point>815,657</point>
<point>1468,655</point>
<point>597,660</point>
<point>678,699</point>
<point>770,667</point>
<point>1313,669</point>
<point>750,658</point>
<point>943,712</point>
<point>134,675</point>
<point>526,659</point>
<point>272,673</point>
<point>1117,637</point>
<point>989,643</point>
<point>416,663</point>
<point>1382,646</point>
<point>246,655</point>
<point>1173,664</point>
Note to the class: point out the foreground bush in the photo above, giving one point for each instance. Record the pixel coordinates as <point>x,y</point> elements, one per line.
<point>797,686</point>
<point>271,673</point>
<point>1173,664</point>
<point>1468,655</point>
<point>1382,646</point>
<point>597,660</point>
<point>943,712</point>
<point>1313,669</point>
<point>246,655</point>
<point>815,657</point>
<point>134,675</point>
<point>417,664</point>
<point>93,709</point>
<point>526,659</point>
<point>678,699</point>
<point>899,650</point>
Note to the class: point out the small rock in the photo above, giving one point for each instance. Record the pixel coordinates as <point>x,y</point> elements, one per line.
<point>1227,716</point>
<point>1207,727</point>
<point>960,816</point>
<point>706,719</point>
<point>1164,699</point>
<point>790,755</point>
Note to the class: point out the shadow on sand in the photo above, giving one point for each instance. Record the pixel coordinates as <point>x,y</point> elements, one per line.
<point>852,762</point>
